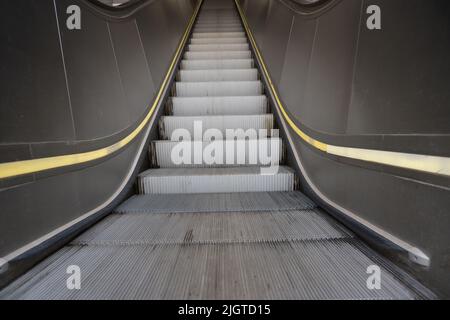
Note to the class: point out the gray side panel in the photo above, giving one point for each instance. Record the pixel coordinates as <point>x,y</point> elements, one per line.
<point>31,67</point>
<point>134,71</point>
<point>408,73</point>
<point>95,86</point>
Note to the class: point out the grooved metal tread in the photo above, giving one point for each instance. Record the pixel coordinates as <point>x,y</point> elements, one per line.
<point>217,64</point>
<point>216,202</point>
<point>219,88</point>
<point>215,180</point>
<point>331,269</point>
<point>202,55</point>
<point>215,35</point>
<point>195,106</point>
<point>238,124</point>
<point>244,152</point>
<point>217,227</point>
<point>218,75</point>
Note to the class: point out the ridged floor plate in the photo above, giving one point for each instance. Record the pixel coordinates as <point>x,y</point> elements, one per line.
<point>195,106</point>
<point>216,202</point>
<point>332,269</point>
<point>214,180</point>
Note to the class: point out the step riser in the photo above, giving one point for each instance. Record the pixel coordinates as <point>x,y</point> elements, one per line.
<point>218,75</point>
<point>168,125</point>
<point>218,89</point>
<point>219,47</point>
<point>230,153</point>
<point>199,55</point>
<point>216,183</point>
<point>218,29</point>
<point>219,40</point>
<point>217,64</point>
<point>216,35</point>
<point>219,106</point>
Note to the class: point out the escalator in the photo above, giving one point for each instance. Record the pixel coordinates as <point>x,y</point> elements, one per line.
<point>198,230</point>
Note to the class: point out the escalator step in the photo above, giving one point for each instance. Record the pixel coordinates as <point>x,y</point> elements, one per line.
<point>333,269</point>
<point>219,227</point>
<point>215,55</point>
<point>216,202</point>
<point>219,40</point>
<point>219,47</point>
<point>193,106</point>
<point>214,180</point>
<point>216,35</point>
<point>218,75</point>
<point>168,124</point>
<point>218,88</point>
<point>233,153</point>
<point>217,64</point>
<point>218,29</point>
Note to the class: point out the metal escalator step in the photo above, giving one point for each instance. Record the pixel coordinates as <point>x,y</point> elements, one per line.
<point>218,89</point>
<point>214,180</point>
<point>217,64</point>
<point>194,106</point>
<point>230,24</point>
<point>218,29</point>
<point>216,35</point>
<point>332,269</point>
<point>216,202</point>
<point>215,55</point>
<point>219,40</point>
<point>218,227</point>
<point>219,47</point>
<point>218,75</point>
<point>168,124</point>
<point>232,153</point>
<point>218,20</point>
